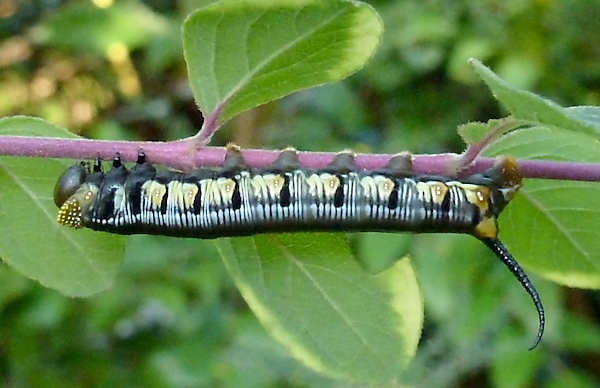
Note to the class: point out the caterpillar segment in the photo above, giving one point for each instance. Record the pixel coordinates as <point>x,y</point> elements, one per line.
<point>237,200</point>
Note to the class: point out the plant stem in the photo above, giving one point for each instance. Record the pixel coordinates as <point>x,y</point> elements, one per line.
<point>182,155</point>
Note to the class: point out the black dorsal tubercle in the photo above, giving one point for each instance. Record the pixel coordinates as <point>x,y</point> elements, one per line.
<point>141,157</point>
<point>502,253</point>
<point>138,175</point>
<point>97,164</point>
<point>117,160</point>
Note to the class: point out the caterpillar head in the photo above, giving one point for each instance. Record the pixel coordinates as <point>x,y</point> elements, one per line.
<point>73,194</point>
<point>508,177</point>
<point>502,181</point>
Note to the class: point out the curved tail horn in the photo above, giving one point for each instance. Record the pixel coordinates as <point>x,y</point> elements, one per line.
<point>502,253</point>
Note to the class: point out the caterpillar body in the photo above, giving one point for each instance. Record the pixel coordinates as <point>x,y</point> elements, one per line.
<point>237,200</point>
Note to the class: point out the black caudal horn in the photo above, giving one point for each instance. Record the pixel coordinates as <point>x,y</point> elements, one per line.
<point>502,253</point>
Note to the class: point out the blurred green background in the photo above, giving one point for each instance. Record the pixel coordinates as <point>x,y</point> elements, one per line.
<point>115,70</point>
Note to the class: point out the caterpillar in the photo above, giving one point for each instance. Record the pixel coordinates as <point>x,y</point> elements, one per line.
<point>237,200</point>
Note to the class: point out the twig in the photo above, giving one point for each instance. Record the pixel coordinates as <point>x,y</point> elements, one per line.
<point>183,156</point>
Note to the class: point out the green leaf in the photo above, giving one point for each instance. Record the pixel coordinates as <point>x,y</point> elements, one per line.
<point>313,297</point>
<point>243,53</point>
<point>474,132</point>
<point>551,226</point>
<point>376,252</point>
<point>529,106</point>
<point>590,115</point>
<point>74,262</point>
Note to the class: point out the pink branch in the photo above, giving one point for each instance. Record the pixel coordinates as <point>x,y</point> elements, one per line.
<point>182,155</point>
<point>210,126</point>
<point>158,153</point>
<point>473,151</point>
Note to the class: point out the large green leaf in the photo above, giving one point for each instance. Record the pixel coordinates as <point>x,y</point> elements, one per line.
<point>243,53</point>
<point>313,297</point>
<point>525,105</point>
<point>74,262</point>
<point>552,226</point>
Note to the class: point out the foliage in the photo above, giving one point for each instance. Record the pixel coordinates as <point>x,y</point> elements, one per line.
<point>175,319</point>
<point>241,54</point>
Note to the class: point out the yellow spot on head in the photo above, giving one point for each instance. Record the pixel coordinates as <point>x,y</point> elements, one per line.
<point>70,214</point>
<point>72,210</point>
